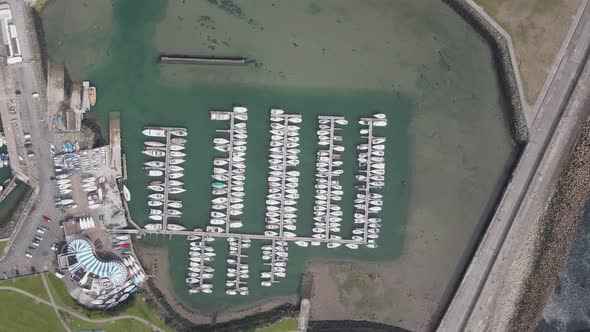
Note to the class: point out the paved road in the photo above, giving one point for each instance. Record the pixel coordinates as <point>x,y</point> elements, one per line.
<point>26,78</point>
<point>77,315</point>
<point>526,196</point>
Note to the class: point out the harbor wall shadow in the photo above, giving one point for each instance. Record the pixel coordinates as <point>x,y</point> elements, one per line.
<point>503,63</point>
<point>511,101</point>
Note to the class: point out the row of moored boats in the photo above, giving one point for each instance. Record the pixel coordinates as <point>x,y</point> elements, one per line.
<point>237,271</point>
<point>328,190</point>
<point>169,155</point>
<point>368,203</point>
<point>275,256</point>
<point>200,271</point>
<point>283,180</point>
<point>229,172</point>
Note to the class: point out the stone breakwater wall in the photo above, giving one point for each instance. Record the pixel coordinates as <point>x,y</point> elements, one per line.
<point>555,234</point>
<point>503,61</point>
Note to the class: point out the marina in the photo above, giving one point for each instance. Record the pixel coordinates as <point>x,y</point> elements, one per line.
<point>433,124</point>
<point>228,178</point>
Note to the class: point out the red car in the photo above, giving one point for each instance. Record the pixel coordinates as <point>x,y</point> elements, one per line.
<point>46,219</point>
<point>126,245</point>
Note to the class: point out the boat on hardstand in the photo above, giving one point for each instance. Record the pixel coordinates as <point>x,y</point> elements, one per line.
<point>175,227</point>
<point>154,132</point>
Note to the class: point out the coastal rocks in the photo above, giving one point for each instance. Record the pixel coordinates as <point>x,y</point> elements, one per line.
<point>556,232</point>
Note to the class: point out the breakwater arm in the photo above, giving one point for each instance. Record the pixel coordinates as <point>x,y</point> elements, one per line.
<point>204,60</point>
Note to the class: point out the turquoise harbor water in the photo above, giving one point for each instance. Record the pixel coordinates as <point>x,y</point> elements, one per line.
<point>448,138</point>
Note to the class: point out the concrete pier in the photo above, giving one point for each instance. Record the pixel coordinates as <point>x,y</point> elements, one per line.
<point>330,175</point>
<point>367,182</point>
<point>239,270</point>
<point>210,61</point>
<point>231,116</point>
<point>285,140</point>
<point>167,172</point>
<point>225,235</point>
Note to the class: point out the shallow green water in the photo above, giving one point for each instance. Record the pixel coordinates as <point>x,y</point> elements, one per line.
<point>416,61</point>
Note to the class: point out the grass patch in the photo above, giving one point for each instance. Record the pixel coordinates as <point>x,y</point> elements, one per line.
<point>31,284</point>
<point>136,306</point>
<point>2,246</point>
<point>123,325</point>
<point>39,5</point>
<point>21,313</point>
<point>283,325</point>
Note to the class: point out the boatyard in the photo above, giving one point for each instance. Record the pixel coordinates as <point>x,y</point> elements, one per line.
<point>227,184</point>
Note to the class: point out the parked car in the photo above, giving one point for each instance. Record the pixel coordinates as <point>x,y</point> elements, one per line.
<point>28,255</point>
<point>40,231</point>
<point>46,219</point>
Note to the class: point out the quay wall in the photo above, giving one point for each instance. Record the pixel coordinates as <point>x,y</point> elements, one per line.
<point>209,61</point>
<point>505,65</point>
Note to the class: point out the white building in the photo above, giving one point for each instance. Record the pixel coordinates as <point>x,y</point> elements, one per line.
<point>9,37</point>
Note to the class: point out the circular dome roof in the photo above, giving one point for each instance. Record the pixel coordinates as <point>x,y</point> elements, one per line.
<point>113,270</point>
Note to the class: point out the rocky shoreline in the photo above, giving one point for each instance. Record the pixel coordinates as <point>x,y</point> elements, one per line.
<point>556,233</point>
<point>503,63</point>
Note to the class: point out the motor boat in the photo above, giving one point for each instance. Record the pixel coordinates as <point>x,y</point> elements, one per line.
<point>176,190</point>
<point>154,132</point>
<point>177,154</point>
<point>178,140</point>
<point>154,153</point>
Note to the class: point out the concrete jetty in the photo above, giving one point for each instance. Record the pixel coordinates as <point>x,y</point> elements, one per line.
<point>204,60</point>
<point>285,139</point>
<point>167,172</point>
<point>226,235</point>
<point>231,116</point>
<point>330,174</point>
